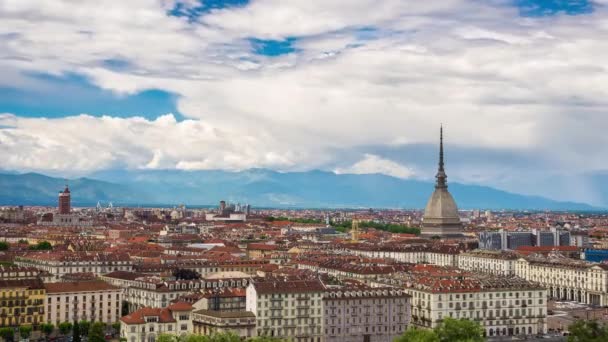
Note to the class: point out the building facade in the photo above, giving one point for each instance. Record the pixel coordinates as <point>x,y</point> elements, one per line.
<point>22,302</point>
<point>58,264</point>
<point>94,301</point>
<point>567,279</point>
<point>287,309</point>
<point>365,314</point>
<point>144,325</point>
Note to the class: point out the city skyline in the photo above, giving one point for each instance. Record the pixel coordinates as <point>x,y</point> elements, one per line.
<point>234,85</point>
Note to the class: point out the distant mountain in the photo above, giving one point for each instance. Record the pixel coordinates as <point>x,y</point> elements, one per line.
<point>319,189</point>
<point>37,189</point>
<point>261,188</point>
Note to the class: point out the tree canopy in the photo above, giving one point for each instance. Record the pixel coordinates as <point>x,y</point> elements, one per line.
<point>42,246</point>
<point>96,332</point>
<point>65,328</point>
<point>220,337</point>
<point>186,274</point>
<point>450,330</point>
<point>418,335</point>
<point>587,331</point>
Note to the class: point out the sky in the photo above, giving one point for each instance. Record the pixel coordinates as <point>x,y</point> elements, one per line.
<point>357,86</point>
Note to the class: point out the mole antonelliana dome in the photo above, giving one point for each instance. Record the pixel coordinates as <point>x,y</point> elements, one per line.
<point>441,213</point>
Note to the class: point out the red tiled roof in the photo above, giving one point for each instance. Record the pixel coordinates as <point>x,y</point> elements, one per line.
<point>180,306</point>
<point>85,286</point>
<point>138,317</point>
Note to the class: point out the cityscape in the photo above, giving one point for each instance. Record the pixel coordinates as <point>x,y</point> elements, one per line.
<point>303,171</point>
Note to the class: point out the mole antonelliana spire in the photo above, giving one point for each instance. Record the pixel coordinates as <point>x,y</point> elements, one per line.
<point>441,213</point>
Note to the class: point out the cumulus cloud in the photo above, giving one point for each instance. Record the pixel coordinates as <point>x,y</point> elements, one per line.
<point>368,73</point>
<point>375,164</point>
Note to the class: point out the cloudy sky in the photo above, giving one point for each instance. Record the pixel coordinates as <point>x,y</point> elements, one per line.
<point>521,87</point>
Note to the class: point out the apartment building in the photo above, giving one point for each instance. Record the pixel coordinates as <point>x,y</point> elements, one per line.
<point>207,322</point>
<point>490,262</point>
<point>289,309</point>
<point>567,279</point>
<point>21,302</point>
<point>145,324</point>
<point>504,306</point>
<point>150,291</point>
<point>365,314</point>
<point>435,254</point>
<point>95,301</point>
<point>60,263</point>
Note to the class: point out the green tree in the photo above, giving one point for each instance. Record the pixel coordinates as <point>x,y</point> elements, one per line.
<point>25,331</point>
<point>414,334</point>
<point>166,338</point>
<point>96,332</point>
<point>65,328</point>
<point>587,331</point>
<point>47,329</point>
<point>42,246</point>
<point>3,246</point>
<point>116,327</point>
<point>6,334</point>
<point>84,327</point>
<point>76,332</point>
<point>459,330</point>
<point>264,339</point>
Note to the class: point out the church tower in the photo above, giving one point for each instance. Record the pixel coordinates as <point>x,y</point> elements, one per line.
<point>441,213</point>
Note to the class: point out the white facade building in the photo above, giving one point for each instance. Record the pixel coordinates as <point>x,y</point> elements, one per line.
<point>95,301</point>
<point>287,309</point>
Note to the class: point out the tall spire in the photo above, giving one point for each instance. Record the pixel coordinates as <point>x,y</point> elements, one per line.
<point>441,176</point>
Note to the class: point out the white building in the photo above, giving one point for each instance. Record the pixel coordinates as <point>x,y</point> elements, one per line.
<point>566,278</point>
<point>61,263</point>
<point>144,325</point>
<point>503,306</point>
<point>95,301</point>
<point>487,261</point>
<point>436,254</point>
<point>287,309</point>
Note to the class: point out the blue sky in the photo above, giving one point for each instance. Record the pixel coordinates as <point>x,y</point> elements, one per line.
<point>156,102</point>
<point>299,85</point>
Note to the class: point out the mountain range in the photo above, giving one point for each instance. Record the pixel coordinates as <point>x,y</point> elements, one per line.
<point>260,188</point>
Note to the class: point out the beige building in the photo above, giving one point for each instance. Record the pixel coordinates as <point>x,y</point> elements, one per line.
<point>207,322</point>
<point>503,306</point>
<point>95,301</point>
<point>435,254</point>
<point>365,314</point>
<point>566,278</point>
<point>287,309</point>
<point>490,262</point>
<point>144,325</point>
<point>61,263</point>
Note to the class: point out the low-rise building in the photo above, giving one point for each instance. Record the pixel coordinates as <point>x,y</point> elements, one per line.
<point>145,324</point>
<point>207,322</point>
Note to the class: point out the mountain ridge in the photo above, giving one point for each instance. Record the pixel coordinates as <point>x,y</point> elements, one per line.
<point>261,188</point>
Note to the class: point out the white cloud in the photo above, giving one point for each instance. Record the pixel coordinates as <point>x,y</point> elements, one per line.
<point>375,164</point>
<point>496,80</point>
